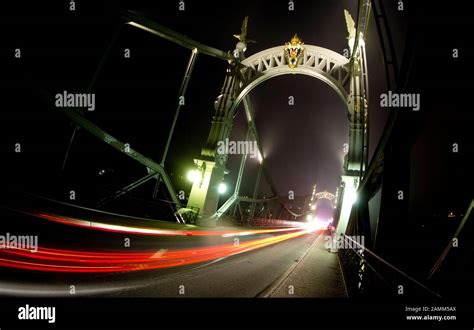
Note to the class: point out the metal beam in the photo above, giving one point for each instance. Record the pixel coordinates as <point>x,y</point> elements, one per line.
<point>137,20</point>
<point>126,189</point>
<point>80,120</point>
<point>232,199</point>
<point>241,168</point>
<point>257,200</point>
<point>256,189</point>
<point>91,85</point>
<point>445,252</point>
<point>363,15</point>
<point>226,206</point>
<point>266,172</point>
<point>253,130</point>
<point>399,79</point>
<point>181,93</point>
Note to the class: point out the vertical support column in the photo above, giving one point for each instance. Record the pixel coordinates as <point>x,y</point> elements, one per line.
<point>348,197</point>
<point>204,193</point>
<point>358,143</point>
<point>356,131</point>
<point>206,196</point>
<point>365,85</point>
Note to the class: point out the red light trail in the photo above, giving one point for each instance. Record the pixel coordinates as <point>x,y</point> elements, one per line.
<point>96,225</point>
<point>75,261</point>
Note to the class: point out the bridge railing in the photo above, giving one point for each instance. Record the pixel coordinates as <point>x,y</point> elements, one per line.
<point>367,274</point>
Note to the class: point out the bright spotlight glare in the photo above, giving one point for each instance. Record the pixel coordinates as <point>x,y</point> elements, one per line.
<point>193,176</point>
<point>313,207</point>
<point>316,224</point>
<point>353,196</point>
<point>309,217</point>
<point>222,188</point>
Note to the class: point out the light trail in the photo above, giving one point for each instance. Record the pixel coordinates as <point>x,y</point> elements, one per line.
<point>101,226</point>
<point>75,261</point>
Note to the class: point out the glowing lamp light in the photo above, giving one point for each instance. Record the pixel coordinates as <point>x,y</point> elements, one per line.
<point>352,196</point>
<point>222,188</point>
<point>314,223</point>
<point>313,207</point>
<point>193,176</point>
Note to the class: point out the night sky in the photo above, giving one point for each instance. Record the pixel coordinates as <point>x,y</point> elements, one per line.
<point>303,143</point>
<point>136,97</point>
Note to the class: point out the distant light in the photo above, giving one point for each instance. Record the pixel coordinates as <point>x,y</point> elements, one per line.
<point>102,172</point>
<point>309,217</point>
<point>260,157</point>
<point>193,176</point>
<point>222,188</point>
<point>313,207</point>
<point>316,224</point>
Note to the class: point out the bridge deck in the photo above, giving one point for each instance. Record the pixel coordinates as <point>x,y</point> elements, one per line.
<point>317,274</point>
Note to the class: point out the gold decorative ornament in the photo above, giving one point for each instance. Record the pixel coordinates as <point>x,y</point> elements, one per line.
<point>293,51</point>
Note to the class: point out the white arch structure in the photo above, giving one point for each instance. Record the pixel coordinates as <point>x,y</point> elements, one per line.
<point>325,195</point>
<point>321,63</point>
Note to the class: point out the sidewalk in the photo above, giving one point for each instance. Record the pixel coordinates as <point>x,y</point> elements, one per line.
<point>317,275</point>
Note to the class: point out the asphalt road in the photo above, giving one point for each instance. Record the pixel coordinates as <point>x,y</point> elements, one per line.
<point>244,275</point>
<point>248,274</point>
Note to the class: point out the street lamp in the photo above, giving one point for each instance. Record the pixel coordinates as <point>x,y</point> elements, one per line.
<point>193,176</point>
<point>222,188</point>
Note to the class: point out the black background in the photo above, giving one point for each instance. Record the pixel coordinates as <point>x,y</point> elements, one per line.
<point>60,50</point>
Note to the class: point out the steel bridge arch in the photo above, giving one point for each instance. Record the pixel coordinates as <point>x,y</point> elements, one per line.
<point>347,77</point>
<point>321,63</point>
